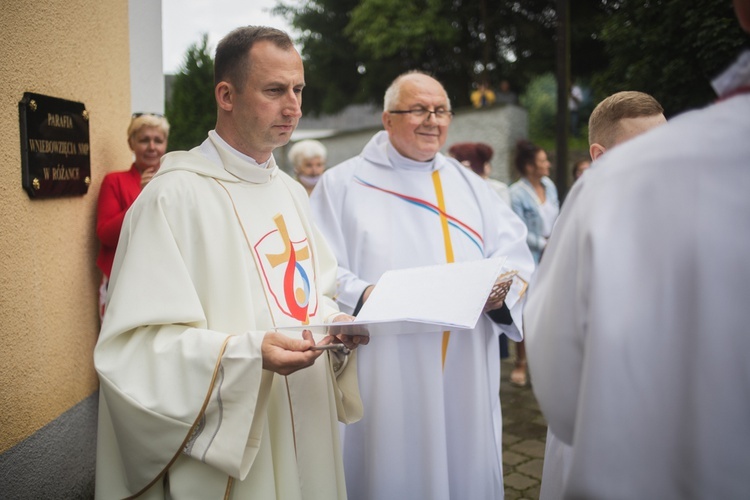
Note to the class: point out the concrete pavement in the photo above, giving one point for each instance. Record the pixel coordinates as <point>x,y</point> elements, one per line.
<point>524,434</point>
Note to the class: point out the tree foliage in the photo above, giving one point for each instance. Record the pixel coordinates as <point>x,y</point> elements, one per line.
<point>192,108</point>
<point>540,99</point>
<point>668,48</point>
<point>353,49</point>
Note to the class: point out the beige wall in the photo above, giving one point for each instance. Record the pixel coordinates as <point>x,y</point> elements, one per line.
<point>76,50</point>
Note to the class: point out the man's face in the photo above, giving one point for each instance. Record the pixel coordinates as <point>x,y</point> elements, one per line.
<point>311,167</point>
<point>266,110</point>
<point>541,164</point>
<point>418,138</point>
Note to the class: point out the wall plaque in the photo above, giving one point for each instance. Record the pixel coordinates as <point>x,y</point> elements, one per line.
<point>55,148</point>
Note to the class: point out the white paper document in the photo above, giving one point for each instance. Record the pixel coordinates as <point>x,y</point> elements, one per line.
<point>445,297</point>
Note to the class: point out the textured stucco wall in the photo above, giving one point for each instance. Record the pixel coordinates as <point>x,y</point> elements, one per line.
<point>76,50</point>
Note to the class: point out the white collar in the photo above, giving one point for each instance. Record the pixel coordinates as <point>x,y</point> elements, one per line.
<point>400,161</point>
<point>736,76</point>
<point>241,165</point>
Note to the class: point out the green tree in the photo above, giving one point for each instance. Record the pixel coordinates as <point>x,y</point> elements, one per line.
<point>668,48</point>
<point>333,78</point>
<point>192,110</point>
<point>540,99</point>
<point>354,48</point>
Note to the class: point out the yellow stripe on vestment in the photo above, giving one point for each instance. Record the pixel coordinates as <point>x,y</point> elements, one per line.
<point>446,240</point>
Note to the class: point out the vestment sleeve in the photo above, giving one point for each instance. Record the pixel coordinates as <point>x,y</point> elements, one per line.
<point>554,321</point>
<point>345,381</point>
<point>326,202</point>
<point>506,236</point>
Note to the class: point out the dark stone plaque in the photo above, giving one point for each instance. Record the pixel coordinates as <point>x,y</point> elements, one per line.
<point>55,158</point>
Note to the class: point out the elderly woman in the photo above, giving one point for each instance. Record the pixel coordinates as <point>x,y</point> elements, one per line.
<point>147,138</point>
<point>308,158</point>
<point>534,199</point>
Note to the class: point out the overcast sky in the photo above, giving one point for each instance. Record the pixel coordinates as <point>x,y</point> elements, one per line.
<point>184,21</point>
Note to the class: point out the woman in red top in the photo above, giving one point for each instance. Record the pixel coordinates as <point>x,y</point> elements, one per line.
<point>147,138</point>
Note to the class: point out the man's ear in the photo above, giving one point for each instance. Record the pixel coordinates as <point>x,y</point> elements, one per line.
<point>224,93</point>
<point>596,150</point>
<point>386,118</point>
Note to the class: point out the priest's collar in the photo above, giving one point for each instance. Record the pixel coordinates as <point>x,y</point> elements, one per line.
<point>402,162</point>
<point>735,77</point>
<point>241,165</point>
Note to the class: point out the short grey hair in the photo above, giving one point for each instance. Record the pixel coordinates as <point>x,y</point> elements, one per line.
<point>308,148</point>
<point>393,92</point>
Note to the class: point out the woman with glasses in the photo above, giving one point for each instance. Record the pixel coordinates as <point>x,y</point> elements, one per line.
<point>147,138</point>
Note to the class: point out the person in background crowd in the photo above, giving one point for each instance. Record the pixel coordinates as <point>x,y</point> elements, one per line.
<point>477,156</point>
<point>534,200</point>
<point>637,326</point>
<point>483,96</point>
<point>579,167</point>
<point>433,427</point>
<point>147,138</point>
<point>575,99</point>
<point>505,94</point>
<point>308,158</point>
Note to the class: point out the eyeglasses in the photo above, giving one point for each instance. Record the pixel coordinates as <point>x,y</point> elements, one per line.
<point>441,115</point>
<point>138,114</point>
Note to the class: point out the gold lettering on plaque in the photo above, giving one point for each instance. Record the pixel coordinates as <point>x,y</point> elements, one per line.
<point>61,173</point>
<point>59,121</point>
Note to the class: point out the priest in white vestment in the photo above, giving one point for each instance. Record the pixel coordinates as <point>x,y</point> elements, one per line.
<point>616,119</point>
<point>637,330</point>
<point>432,426</point>
<point>201,396</point>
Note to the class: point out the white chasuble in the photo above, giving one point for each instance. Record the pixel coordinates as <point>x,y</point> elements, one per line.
<point>213,254</point>
<point>432,424</point>
<point>637,324</point>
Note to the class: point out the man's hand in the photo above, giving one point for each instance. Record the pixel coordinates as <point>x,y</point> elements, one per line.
<point>497,296</point>
<point>285,355</point>
<point>351,336</point>
<point>367,292</point>
<point>147,175</point>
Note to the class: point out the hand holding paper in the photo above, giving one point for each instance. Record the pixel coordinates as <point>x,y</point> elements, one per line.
<point>350,334</point>
<point>499,291</point>
<point>429,299</point>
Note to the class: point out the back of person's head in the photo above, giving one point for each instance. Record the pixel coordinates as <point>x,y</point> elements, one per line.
<point>604,123</point>
<point>142,120</point>
<point>307,149</point>
<point>393,92</point>
<point>476,154</point>
<point>526,152</point>
<point>231,63</point>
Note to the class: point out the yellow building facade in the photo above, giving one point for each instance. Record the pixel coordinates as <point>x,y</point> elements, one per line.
<point>76,50</point>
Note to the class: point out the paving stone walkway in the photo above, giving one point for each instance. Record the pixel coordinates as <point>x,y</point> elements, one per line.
<point>524,434</point>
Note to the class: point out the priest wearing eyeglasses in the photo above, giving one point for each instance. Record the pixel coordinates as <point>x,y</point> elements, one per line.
<point>432,424</point>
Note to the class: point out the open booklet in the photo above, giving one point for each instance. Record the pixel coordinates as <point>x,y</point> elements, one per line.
<point>438,298</point>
